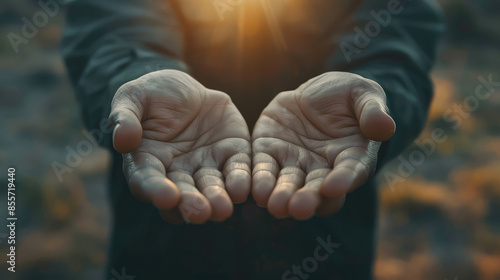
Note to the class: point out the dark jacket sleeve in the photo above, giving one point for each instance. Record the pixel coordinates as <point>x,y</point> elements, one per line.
<point>394,43</point>
<point>107,43</point>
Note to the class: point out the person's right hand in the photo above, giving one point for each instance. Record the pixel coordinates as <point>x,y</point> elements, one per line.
<point>186,148</point>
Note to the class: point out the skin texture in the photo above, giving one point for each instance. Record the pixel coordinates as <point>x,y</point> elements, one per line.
<point>313,145</point>
<point>186,148</point>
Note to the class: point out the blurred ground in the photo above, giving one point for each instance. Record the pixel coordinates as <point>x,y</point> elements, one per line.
<point>440,216</point>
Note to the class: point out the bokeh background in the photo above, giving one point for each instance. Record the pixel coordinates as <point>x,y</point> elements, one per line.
<point>440,219</point>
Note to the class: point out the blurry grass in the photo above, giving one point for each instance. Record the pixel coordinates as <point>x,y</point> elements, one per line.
<point>443,221</point>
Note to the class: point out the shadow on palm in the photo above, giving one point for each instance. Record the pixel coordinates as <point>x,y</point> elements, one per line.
<point>186,148</point>
<point>313,145</point>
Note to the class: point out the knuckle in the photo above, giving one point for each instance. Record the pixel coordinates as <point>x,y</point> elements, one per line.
<point>127,89</point>
<point>377,87</point>
<point>365,84</point>
<point>221,97</point>
<point>129,92</point>
<point>364,90</point>
<point>285,94</point>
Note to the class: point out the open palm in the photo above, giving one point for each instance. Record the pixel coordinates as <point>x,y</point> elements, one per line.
<point>185,147</point>
<point>313,145</point>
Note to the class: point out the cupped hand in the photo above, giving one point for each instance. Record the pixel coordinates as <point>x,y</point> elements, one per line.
<point>313,145</point>
<point>186,148</point>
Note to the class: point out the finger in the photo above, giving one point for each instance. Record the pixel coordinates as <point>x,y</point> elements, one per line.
<point>265,171</point>
<point>126,114</point>
<point>147,181</point>
<point>210,183</point>
<point>352,168</point>
<point>306,200</point>
<point>372,112</point>
<point>290,179</point>
<point>375,123</point>
<point>194,207</point>
<point>238,178</point>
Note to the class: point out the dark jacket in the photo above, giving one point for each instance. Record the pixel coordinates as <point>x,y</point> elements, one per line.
<point>251,50</point>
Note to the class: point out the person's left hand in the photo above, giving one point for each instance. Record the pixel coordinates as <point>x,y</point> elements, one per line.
<point>313,145</point>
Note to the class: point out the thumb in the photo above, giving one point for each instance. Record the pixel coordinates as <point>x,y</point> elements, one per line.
<point>126,114</point>
<point>375,122</point>
<point>373,115</point>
